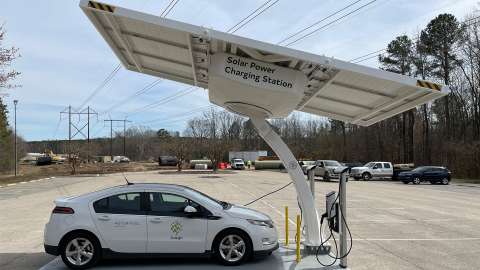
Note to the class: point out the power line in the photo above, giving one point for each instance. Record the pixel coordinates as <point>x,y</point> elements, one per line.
<point>330,23</point>
<point>101,86</point>
<point>245,20</point>
<point>164,100</point>
<point>169,8</point>
<point>142,91</point>
<point>369,56</point>
<point>318,22</point>
<point>178,116</point>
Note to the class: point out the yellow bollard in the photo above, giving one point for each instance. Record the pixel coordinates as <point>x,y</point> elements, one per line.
<point>298,238</point>
<point>286,226</point>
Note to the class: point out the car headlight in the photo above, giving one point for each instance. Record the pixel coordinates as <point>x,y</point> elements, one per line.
<point>265,223</point>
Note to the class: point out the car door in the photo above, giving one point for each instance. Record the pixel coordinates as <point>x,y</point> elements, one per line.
<point>121,221</point>
<point>170,229</point>
<point>387,170</point>
<point>320,169</point>
<point>377,170</point>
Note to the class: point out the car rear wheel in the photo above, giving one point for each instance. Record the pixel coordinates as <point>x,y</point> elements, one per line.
<point>232,247</point>
<point>416,180</point>
<point>366,176</point>
<point>80,251</point>
<point>445,181</point>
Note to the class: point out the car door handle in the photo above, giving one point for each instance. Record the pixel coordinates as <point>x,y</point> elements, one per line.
<point>156,220</point>
<point>104,218</point>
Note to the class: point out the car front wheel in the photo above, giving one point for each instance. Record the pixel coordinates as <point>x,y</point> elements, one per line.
<point>366,176</point>
<point>445,181</point>
<point>416,180</point>
<point>326,176</point>
<point>80,251</point>
<point>232,247</point>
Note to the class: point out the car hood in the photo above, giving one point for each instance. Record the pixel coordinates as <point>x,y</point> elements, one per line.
<point>246,213</point>
<point>337,169</point>
<point>360,168</point>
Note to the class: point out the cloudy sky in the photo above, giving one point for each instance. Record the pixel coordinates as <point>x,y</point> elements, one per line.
<point>63,58</point>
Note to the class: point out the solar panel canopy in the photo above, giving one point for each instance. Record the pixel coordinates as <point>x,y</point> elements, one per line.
<point>238,70</point>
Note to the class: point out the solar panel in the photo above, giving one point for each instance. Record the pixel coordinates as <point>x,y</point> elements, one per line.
<point>238,70</point>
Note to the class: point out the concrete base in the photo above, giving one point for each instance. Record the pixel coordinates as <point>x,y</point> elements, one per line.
<point>281,259</point>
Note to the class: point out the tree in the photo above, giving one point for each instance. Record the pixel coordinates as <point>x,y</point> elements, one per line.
<point>423,69</point>
<point>439,38</point>
<point>7,56</point>
<point>399,59</point>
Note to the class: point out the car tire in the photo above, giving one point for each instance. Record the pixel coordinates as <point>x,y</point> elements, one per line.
<point>228,243</point>
<point>416,181</point>
<point>366,176</point>
<point>445,181</point>
<point>326,176</point>
<point>80,241</point>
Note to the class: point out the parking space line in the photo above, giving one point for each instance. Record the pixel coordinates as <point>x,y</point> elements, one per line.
<point>402,239</point>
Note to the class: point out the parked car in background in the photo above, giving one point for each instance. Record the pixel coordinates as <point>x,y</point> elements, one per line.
<point>398,168</point>
<point>120,159</point>
<point>167,161</point>
<point>371,170</point>
<point>305,164</point>
<point>351,165</point>
<point>328,169</point>
<point>238,164</point>
<point>432,174</point>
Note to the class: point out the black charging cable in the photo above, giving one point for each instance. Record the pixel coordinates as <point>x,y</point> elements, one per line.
<point>332,235</point>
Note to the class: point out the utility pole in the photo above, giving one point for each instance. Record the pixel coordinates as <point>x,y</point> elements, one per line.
<point>124,135</point>
<point>15,102</point>
<point>79,129</point>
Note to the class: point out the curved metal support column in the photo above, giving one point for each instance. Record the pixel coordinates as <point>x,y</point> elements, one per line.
<point>305,198</point>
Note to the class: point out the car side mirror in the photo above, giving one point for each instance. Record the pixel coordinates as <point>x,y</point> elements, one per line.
<point>190,210</point>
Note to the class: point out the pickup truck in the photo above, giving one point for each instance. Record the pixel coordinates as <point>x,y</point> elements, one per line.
<point>328,169</point>
<point>374,169</point>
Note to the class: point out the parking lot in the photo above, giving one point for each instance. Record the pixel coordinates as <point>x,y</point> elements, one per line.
<point>394,226</point>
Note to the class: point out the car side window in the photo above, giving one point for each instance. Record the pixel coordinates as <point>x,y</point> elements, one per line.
<point>125,203</point>
<point>386,165</point>
<point>378,166</point>
<point>166,204</point>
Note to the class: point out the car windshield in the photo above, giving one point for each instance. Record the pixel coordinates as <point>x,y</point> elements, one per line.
<point>369,165</point>
<point>223,204</point>
<point>237,160</point>
<point>332,163</point>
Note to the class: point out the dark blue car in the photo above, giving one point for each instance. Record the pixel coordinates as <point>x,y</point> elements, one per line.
<point>431,174</point>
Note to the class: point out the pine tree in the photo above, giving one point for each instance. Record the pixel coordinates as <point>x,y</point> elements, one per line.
<point>399,59</point>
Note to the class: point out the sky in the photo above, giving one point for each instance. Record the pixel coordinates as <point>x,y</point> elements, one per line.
<point>63,58</point>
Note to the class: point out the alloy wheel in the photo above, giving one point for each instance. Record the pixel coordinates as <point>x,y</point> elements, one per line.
<point>416,180</point>
<point>445,181</point>
<point>79,251</point>
<point>232,248</point>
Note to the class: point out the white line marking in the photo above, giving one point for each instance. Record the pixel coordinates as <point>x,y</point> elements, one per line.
<point>404,239</point>
<point>23,182</point>
<point>51,264</point>
<point>13,184</point>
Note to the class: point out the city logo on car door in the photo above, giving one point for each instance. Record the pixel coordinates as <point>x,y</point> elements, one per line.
<point>176,229</point>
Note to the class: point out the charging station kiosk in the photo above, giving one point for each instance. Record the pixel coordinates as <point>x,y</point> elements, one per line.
<point>260,81</point>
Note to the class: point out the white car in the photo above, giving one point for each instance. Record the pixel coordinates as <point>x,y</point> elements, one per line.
<point>152,220</point>
<point>238,164</point>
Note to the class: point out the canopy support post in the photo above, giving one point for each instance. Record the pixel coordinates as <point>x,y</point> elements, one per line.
<point>304,195</point>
